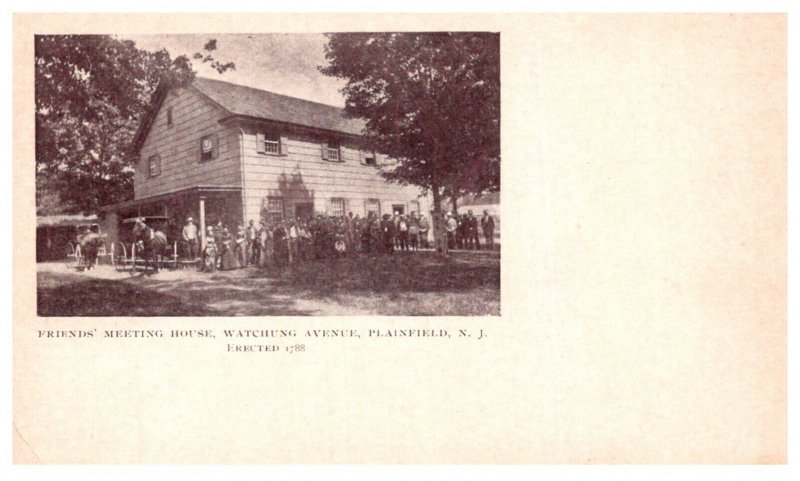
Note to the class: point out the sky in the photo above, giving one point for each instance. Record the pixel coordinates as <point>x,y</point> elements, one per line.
<point>281,63</point>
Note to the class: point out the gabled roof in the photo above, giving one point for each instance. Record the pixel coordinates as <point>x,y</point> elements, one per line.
<point>149,116</point>
<point>241,101</point>
<point>261,104</point>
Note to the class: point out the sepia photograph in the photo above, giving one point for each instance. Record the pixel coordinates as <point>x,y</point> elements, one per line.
<point>268,174</point>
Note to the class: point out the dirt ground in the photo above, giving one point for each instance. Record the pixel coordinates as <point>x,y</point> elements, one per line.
<point>465,284</point>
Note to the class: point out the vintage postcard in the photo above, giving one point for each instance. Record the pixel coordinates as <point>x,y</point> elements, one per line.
<point>250,202</point>
<point>275,238</point>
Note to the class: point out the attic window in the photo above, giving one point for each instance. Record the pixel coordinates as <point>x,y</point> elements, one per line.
<point>154,165</point>
<point>369,159</point>
<point>208,147</point>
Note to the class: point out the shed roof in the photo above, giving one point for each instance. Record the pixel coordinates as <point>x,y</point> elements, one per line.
<point>65,220</point>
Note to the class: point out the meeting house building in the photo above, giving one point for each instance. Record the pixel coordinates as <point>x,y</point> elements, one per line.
<point>217,151</point>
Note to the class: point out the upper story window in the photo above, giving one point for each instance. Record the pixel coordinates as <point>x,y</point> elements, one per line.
<point>331,150</point>
<point>270,143</point>
<point>169,117</point>
<point>368,158</point>
<point>209,147</point>
<point>154,165</point>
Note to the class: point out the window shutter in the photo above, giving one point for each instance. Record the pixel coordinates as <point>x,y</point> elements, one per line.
<point>200,150</point>
<point>284,148</point>
<point>346,206</point>
<point>362,157</point>
<point>260,139</point>
<point>215,147</point>
<point>324,151</point>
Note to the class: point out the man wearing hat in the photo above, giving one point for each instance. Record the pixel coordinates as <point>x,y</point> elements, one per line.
<point>424,227</point>
<point>189,235</point>
<point>487,223</point>
<point>450,226</point>
<point>387,229</point>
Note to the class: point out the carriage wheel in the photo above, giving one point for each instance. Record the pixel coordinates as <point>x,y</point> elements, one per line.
<point>73,258</point>
<point>136,260</point>
<point>119,256</point>
<point>69,255</point>
<point>175,257</point>
<point>79,259</point>
<point>102,253</point>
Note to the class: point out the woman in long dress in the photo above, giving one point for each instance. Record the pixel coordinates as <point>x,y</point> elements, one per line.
<point>280,245</point>
<point>239,248</point>
<point>210,253</point>
<point>228,250</point>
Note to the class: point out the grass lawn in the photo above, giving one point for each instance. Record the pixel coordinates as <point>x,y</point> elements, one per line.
<point>464,284</point>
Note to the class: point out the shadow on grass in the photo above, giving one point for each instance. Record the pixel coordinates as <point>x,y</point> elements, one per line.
<point>389,274</point>
<point>398,284</point>
<point>103,297</point>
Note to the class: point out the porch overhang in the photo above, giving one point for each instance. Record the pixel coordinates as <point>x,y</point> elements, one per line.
<point>199,190</point>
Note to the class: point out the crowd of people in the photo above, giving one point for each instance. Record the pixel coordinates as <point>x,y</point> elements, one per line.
<point>291,241</point>
<point>462,231</point>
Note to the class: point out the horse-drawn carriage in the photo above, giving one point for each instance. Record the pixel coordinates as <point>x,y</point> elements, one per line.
<point>88,250</point>
<point>143,245</point>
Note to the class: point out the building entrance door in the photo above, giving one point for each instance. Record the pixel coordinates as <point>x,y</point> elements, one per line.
<point>304,210</point>
<point>399,208</point>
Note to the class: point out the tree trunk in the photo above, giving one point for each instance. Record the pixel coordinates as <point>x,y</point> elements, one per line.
<point>437,223</point>
<point>454,201</point>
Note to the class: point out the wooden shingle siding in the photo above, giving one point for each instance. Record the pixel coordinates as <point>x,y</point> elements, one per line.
<point>298,174</point>
<point>301,175</point>
<point>193,116</point>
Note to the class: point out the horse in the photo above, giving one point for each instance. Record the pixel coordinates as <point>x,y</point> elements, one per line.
<point>90,244</point>
<point>151,243</point>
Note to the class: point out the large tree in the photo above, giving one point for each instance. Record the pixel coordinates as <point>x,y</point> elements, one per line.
<point>91,91</point>
<point>430,100</point>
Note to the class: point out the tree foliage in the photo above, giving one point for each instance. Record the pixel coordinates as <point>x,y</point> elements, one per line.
<point>91,91</point>
<point>430,100</point>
